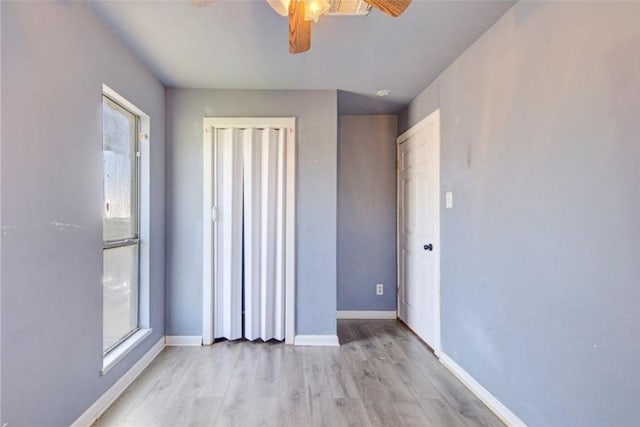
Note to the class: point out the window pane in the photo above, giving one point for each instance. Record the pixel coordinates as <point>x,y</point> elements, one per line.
<point>120,293</point>
<point>119,163</point>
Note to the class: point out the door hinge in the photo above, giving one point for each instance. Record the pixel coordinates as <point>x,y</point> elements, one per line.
<point>214,214</point>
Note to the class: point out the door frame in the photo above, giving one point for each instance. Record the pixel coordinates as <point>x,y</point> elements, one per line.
<point>431,119</point>
<point>208,216</point>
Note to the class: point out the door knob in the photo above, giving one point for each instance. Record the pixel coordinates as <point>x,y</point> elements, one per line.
<point>428,247</point>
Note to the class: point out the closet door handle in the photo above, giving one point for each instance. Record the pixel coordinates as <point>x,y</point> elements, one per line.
<point>428,247</point>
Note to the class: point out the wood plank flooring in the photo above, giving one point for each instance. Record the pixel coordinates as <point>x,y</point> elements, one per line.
<point>381,375</point>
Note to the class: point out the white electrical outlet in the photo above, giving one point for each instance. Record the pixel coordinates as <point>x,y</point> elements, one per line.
<point>380,289</point>
<point>448,200</point>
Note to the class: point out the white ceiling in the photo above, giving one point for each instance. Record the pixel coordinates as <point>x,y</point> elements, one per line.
<point>242,44</point>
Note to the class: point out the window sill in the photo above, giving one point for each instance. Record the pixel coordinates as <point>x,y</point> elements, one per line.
<point>115,355</point>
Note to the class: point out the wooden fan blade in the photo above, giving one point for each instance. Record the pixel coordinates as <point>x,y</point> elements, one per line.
<point>299,29</point>
<point>390,7</point>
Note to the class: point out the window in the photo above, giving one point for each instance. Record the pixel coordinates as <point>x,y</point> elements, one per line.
<point>120,219</point>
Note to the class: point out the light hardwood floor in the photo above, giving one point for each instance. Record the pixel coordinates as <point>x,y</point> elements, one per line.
<point>381,375</point>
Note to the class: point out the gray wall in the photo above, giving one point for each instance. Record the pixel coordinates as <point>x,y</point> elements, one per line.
<point>367,212</point>
<point>316,199</point>
<point>56,55</point>
<point>354,104</point>
<point>540,265</point>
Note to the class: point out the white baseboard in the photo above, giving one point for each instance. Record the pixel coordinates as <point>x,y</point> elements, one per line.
<point>183,340</point>
<point>102,404</point>
<point>501,411</point>
<point>367,314</point>
<point>317,340</point>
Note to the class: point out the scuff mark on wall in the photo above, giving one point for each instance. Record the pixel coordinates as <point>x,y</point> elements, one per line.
<point>60,226</point>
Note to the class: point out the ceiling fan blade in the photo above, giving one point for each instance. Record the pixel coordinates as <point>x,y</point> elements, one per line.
<point>299,29</point>
<point>390,7</point>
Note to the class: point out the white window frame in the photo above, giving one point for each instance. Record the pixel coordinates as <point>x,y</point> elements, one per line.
<point>143,217</point>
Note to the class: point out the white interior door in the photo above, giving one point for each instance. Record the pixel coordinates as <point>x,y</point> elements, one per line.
<point>418,229</point>
<point>264,212</point>
<point>227,241</point>
<point>248,229</point>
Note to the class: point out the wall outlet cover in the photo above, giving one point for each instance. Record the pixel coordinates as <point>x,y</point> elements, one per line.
<point>448,199</point>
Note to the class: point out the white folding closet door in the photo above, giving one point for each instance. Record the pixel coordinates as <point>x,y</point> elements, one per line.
<point>227,241</point>
<point>249,195</point>
<point>264,185</point>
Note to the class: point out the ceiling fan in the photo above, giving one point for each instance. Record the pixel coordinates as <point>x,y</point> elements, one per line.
<point>302,12</point>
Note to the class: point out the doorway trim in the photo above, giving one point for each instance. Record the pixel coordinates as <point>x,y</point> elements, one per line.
<point>208,216</point>
<point>432,118</point>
